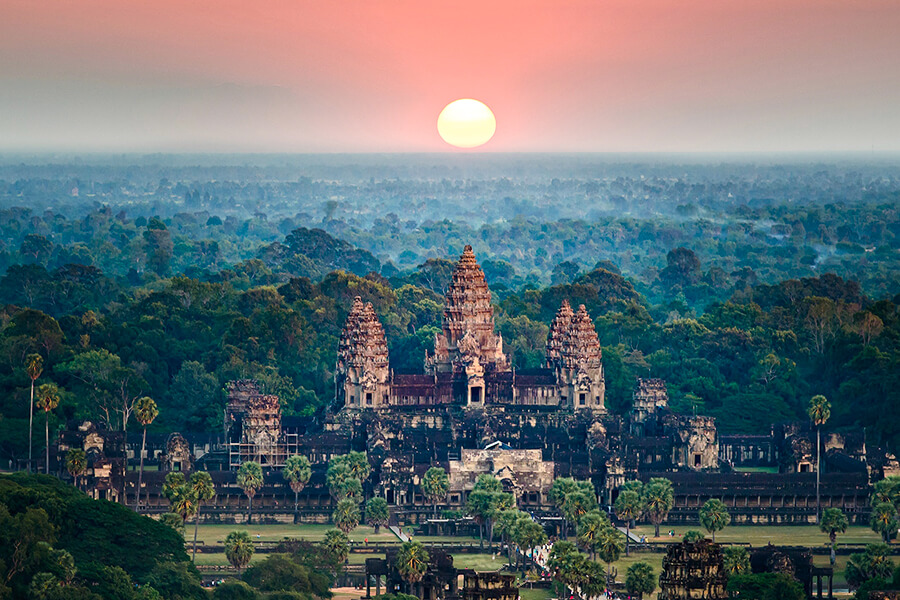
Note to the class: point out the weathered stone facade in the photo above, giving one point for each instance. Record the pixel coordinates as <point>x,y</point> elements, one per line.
<point>468,367</point>
<point>693,571</point>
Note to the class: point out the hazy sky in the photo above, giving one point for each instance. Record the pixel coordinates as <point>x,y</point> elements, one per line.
<point>372,75</point>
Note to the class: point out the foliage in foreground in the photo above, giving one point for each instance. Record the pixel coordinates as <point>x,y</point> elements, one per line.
<point>56,542</point>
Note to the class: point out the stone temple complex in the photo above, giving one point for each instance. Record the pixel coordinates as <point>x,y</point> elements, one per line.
<point>470,411</point>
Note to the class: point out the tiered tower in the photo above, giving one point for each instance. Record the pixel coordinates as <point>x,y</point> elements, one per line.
<point>573,351</point>
<point>467,346</point>
<point>559,331</point>
<point>362,374</point>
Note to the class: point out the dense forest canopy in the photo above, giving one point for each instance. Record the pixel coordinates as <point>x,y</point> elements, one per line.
<point>748,287</point>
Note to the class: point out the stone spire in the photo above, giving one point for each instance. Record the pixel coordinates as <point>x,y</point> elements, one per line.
<point>467,305</point>
<point>468,323</point>
<point>581,347</point>
<point>573,352</point>
<point>559,330</point>
<point>362,343</point>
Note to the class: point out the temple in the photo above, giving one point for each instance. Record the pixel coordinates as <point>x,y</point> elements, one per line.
<point>468,367</point>
<point>470,411</point>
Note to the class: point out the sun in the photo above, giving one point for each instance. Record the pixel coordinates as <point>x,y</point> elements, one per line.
<point>466,123</point>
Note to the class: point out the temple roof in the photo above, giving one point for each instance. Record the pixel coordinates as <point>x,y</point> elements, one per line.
<point>362,340</point>
<point>573,341</point>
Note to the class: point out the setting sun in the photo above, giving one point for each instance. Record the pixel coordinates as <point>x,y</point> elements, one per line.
<point>466,123</point>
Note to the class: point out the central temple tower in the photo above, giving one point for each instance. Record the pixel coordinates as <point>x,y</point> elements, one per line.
<point>467,345</point>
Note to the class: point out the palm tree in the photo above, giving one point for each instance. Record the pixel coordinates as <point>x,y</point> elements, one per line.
<point>819,411</point>
<point>337,544</point>
<point>658,500</point>
<point>884,520</point>
<point>736,560</point>
<point>640,579</point>
<point>588,530</point>
<point>435,485</point>
<point>34,366</point>
<point>346,515</point>
<point>692,536</point>
<point>628,508</point>
<point>184,502</point>
<point>296,472</point>
<point>145,411</point>
<point>250,479</point>
<point>714,516</point>
<point>238,549</point>
<point>559,489</point>
<point>202,488</point>
<point>76,464</point>
<point>48,400</point>
<point>609,548</point>
<point>412,562</point>
<point>377,513</point>
<point>834,521</point>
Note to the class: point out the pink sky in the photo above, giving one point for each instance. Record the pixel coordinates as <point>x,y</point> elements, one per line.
<point>372,75</point>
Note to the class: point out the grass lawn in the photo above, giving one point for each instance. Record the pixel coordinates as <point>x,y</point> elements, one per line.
<point>760,535</point>
<point>218,558</point>
<point>535,594</point>
<point>214,533</point>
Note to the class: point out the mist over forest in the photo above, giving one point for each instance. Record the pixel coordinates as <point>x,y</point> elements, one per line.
<point>748,284</point>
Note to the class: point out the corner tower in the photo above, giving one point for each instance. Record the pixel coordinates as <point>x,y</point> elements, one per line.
<point>573,352</point>
<point>362,375</point>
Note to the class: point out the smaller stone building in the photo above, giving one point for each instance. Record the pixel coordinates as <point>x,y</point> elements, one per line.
<point>692,571</point>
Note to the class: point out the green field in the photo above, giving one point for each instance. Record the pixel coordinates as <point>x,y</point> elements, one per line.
<point>760,535</point>
<point>215,533</point>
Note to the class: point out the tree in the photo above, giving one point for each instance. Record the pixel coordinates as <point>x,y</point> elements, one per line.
<point>714,516</point>
<point>377,513</point>
<point>250,479</point>
<point>887,490</point>
<point>692,536</point>
<point>658,499</point>
<point>412,562</point>
<point>765,586</point>
<point>528,535</point>
<point>34,366</point>
<point>578,503</point>
<point>874,563</point>
<point>76,463</point>
<point>346,515</point>
<point>202,489</point>
<point>479,506</point>
<point>112,388</point>
<point>884,520</point>
<point>559,489</point>
<point>173,520</point>
<point>296,472</point>
<point>628,507</point>
<point>819,412</point>
<point>589,529</point>
<point>834,521</point>
<point>435,485</point>
<point>184,502</point>
<point>337,545</point>
<point>609,548</point>
<point>736,560</point>
<point>145,411</point>
<point>48,400</point>
<point>640,579</point>
<point>341,484</point>
<point>238,549</point>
